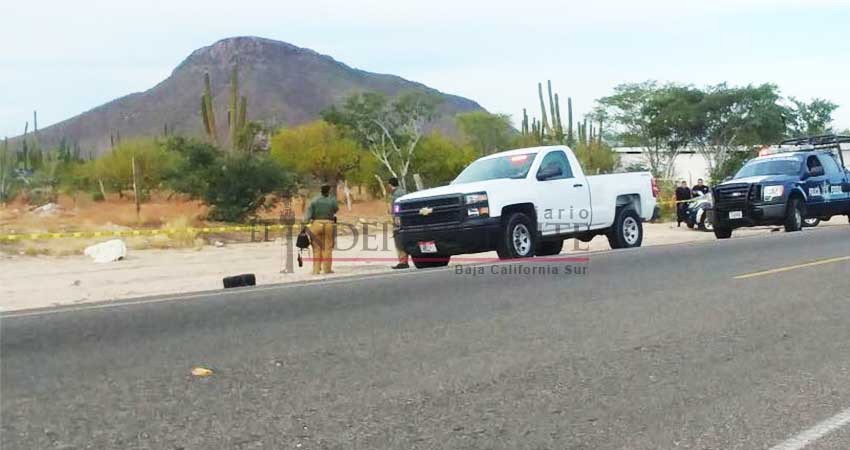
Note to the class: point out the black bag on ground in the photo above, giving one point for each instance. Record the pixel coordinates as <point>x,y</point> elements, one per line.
<point>246,279</point>
<point>303,240</point>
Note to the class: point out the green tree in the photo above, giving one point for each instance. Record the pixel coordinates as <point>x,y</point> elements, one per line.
<point>596,157</point>
<point>733,118</point>
<point>810,119</point>
<point>193,161</point>
<point>731,165</point>
<point>487,133</point>
<point>632,112</point>
<point>439,159</point>
<point>243,184</point>
<point>115,169</point>
<point>317,150</point>
<point>389,130</point>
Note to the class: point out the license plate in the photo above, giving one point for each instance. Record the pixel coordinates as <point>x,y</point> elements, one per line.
<point>428,247</point>
<point>736,214</point>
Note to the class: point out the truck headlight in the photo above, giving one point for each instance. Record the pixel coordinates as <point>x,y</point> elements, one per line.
<point>772,192</point>
<point>479,197</point>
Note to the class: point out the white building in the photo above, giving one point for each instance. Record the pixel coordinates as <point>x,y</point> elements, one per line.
<point>689,165</point>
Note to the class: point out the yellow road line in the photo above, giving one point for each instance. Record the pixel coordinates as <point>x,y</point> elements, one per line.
<point>794,267</point>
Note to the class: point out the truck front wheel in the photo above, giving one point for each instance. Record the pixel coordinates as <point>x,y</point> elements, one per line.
<point>794,215</point>
<point>721,232</point>
<point>627,230</point>
<point>549,248</point>
<point>518,237</point>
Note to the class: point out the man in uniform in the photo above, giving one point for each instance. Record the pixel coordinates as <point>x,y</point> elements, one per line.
<point>700,187</point>
<point>320,217</point>
<point>682,193</point>
<point>397,191</point>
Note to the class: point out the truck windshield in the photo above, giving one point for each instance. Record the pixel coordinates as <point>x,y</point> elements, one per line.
<point>774,166</point>
<point>508,166</point>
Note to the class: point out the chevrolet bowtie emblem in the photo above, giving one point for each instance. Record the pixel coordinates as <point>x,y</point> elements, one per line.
<point>736,194</point>
<point>425,211</point>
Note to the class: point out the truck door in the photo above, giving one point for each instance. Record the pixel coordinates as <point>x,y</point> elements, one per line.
<point>837,201</point>
<point>816,186</point>
<point>563,193</point>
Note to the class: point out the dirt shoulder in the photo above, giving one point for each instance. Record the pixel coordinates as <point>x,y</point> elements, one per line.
<point>40,281</point>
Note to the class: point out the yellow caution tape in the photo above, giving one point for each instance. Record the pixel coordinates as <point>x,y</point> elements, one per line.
<point>138,232</point>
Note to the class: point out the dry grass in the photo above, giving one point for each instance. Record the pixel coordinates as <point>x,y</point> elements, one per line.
<point>116,214</point>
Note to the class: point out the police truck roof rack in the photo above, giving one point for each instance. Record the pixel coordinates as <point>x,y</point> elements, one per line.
<point>831,142</point>
<point>822,141</point>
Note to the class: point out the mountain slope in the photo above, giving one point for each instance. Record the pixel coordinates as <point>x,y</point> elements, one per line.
<point>284,84</point>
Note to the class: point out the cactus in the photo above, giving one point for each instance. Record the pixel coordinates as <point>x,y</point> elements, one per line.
<point>570,138</point>
<point>208,112</point>
<point>524,122</point>
<point>600,131</point>
<point>544,122</point>
<point>554,128</point>
<point>233,111</point>
<point>243,114</point>
<point>559,129</point>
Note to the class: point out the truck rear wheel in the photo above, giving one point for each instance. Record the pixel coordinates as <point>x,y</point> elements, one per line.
<point>794,215</point>
<point>627,230</point>
<point>518,237</point>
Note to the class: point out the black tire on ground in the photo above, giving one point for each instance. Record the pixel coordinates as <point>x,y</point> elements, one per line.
<point>627,230</point>
<point>430,261</point>
<point>518,237</point>
<point>794,215</point>
<point>689,224</point>
<point>549,248</point>
<point>246,279</point>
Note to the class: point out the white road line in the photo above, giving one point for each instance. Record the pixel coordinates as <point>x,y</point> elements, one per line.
<point>816,432</point>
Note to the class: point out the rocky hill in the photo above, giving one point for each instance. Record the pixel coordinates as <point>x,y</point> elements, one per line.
<point>284,84</point>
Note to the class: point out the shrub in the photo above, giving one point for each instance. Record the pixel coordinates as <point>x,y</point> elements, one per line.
<point>242,185</point>
<point>192,162</point>
<point>439,159</point>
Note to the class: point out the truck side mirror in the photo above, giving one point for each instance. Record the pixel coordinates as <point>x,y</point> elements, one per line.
<point>549,172</point>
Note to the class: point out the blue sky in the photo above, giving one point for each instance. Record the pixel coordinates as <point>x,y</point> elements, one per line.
<point>63,58</point>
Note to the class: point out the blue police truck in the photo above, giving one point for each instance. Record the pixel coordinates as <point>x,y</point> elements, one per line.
<point>786,184</point>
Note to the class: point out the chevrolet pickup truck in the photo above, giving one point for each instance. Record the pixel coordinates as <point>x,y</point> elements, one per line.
<point>797,180</point>
<point>523,203</point>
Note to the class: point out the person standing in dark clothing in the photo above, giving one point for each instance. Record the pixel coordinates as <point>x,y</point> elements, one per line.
<point>700,187</point>
<point>682,193</point>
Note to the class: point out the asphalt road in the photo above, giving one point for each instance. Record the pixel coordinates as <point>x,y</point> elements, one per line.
<point>652,348</point>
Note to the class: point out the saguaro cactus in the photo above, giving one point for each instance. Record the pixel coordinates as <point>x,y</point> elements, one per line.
<point>208,112</point>
<point>524,121</point>
<point>233,111</point>
<point>544,122</point>
<point>559,129</point>
<point>570,138</point>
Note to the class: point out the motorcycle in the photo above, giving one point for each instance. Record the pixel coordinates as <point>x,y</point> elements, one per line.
<point>697,215</point>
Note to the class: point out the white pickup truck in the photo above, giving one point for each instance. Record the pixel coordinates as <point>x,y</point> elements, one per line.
<point>522,203</point>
